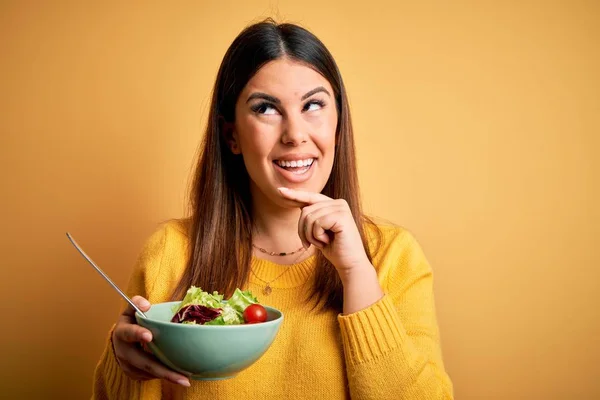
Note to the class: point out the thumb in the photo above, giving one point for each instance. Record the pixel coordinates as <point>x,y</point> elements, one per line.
<point>140,303</point>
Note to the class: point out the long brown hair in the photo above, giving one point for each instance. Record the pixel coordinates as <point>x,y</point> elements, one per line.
<point>220,200</point>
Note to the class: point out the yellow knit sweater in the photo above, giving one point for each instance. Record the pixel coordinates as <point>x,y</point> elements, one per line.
<point>390,350</point>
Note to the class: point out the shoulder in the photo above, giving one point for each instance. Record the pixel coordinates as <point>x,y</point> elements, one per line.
<point>169,238</point>
<point>170,232</point>
<point>385,236</point>
<point>161,261</point>
<point>395,250</point>
<point>178,229</point>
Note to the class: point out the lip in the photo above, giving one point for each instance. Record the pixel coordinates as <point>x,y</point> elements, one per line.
<point>289,176</point>
<point>295,157</point>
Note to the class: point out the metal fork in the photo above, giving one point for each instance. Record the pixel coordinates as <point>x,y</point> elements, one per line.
<point>105,276</point>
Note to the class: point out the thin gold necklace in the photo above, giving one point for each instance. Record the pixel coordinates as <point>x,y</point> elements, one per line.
<point>268,289</point>
<point>273,253</point>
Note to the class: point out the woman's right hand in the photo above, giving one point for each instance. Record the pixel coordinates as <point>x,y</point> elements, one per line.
<point>133,359</point>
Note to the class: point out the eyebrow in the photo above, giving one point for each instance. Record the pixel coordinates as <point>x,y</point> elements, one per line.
<point>316,90</point>
<point>275,100</point>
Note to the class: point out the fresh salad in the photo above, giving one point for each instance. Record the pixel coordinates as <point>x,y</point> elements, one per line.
<point>203,308</point>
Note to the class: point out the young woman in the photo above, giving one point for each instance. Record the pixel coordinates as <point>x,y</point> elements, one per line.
<point>276,210</point>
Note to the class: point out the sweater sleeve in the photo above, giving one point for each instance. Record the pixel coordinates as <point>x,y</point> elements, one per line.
<point>392,348</point>
<point>110,382</point>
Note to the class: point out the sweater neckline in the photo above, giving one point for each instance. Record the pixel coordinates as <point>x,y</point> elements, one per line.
<point>284,276</point>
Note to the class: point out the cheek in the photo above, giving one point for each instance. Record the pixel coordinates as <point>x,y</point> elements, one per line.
<point>324,129</point>
<point>252,137</point>
<point>257,141</point>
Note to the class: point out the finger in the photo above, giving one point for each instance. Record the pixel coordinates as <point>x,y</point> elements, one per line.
<point>140,303</point>
<point>332,221</point>
<point>319,233</point>
<point>131,333</point>
<point>145,347</point>
<point>302,196</point>
<point>146,366</point>
<point>313,227</point>
<point>135,373</point>
<point>326,225</point>
<point>150,365</point>
<point>307,211</point>
<point>124,354</point>
<point>302,233</point>
<point>305,222</point>
<point>308,234</point>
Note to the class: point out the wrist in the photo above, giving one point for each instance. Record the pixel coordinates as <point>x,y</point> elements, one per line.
<point>361,290</point>
<point>358,273</point>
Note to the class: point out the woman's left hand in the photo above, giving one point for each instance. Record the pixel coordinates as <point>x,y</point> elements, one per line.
<point>328,224</point>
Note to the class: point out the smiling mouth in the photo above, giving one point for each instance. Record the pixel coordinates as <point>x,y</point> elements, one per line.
<point>298,167</point>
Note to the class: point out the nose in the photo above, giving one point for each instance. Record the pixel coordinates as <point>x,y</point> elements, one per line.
<point>294,131</point>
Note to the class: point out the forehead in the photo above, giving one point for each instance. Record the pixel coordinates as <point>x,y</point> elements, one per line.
<point>285,79</point>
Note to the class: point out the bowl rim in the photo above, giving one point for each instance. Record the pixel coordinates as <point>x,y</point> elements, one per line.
<point>196,326</point>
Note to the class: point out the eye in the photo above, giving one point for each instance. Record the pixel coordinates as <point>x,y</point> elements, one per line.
<point>264,108</point>
<point>313,105</point>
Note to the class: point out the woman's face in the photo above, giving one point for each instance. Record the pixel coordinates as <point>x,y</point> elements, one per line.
<point>285,126</point>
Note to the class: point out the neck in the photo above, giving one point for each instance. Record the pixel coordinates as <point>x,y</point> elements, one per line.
<point>275,227</point>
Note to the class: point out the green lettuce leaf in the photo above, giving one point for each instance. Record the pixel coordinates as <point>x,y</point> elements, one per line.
<point>197,296</point>
<point>241,299</point>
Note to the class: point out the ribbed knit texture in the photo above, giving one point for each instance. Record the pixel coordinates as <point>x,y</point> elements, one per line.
<point>389,350</point>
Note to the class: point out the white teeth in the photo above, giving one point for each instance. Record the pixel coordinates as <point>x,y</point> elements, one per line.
<point>295,164</point>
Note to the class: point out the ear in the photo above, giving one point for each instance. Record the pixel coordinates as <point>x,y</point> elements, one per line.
<point>230,135</point>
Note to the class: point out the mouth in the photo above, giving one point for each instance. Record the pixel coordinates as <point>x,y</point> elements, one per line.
<point>296,167</point>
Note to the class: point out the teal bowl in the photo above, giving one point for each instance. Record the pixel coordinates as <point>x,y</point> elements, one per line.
<point>208,352</point>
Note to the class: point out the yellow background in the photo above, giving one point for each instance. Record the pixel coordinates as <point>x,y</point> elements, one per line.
<point>477,128</point>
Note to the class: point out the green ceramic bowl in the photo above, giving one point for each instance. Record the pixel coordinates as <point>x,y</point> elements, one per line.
<point>208,352</point>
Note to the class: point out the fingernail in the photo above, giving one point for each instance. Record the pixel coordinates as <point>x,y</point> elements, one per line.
<point>184,382</point>
<point>147,337</point>
<point>283,189</point>
<point>144,303</point>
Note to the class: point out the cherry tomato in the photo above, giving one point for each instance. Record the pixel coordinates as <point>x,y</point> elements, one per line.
<point>255,313</point>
